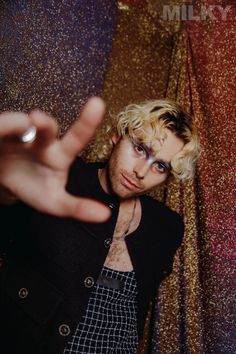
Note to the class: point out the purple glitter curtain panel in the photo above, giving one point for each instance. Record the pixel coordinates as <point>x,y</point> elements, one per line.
<point>54,54</point>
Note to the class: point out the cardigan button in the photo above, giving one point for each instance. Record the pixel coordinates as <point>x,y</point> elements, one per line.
<point>64,330</point>
<point>107,242</point>
<point>89,282</point>
<point>23,293</point>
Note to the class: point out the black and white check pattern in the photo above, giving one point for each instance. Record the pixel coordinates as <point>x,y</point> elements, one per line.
<point>110,322</point>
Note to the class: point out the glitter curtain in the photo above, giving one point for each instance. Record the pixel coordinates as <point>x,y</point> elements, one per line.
<point>212,72</point>
<point>53,54</point>
<point>60,57</point>
<point>193,62</point>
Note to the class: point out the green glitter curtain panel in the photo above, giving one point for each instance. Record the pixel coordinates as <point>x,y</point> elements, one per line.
<point>54,55</point>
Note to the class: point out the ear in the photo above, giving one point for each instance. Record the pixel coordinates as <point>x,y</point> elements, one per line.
<point>114,137</point>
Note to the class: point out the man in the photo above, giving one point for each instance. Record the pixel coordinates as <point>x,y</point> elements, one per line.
<point>69,285</point>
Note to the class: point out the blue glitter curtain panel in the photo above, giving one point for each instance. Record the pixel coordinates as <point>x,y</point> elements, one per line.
<point>54,54</point>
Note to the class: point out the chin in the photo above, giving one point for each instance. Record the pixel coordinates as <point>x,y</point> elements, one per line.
<point>121,193</point>
<point>126,194</point>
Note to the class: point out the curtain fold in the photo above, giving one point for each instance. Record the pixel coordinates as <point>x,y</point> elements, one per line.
<point>193,62</point>
<point>55,57</point>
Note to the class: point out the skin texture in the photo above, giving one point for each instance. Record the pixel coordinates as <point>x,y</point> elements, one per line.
<point>34,170</point>
<point>124,161</point>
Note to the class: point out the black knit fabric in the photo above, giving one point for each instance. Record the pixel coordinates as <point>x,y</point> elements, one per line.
<point>52,257</point>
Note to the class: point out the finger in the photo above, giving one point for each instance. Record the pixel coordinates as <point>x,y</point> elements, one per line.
<point>83,130</point>
<point>83,209</point>
<point>13,124</point>
<point>46,126</point>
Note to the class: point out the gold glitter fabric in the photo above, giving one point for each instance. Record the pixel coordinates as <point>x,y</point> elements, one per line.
<point>186,53</point>
<point>53,54</point>
<point>191,60</point>
<point>139,63</point>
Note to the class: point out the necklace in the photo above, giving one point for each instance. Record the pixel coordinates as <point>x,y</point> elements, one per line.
<point>122,237</point>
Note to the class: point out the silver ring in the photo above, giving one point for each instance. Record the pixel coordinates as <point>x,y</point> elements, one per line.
<point>29,136</point>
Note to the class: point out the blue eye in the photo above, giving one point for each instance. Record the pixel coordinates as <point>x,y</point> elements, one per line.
<point>139,149</point>
<point>160,167</point>
<point>144,152</point>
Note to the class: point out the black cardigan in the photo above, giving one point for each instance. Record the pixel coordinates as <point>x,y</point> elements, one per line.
<point>50,264</point>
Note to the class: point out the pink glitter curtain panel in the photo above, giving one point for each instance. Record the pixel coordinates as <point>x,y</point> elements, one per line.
<point>54,55</point>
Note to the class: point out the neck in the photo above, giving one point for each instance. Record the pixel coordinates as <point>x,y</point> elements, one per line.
<point>104,180</point>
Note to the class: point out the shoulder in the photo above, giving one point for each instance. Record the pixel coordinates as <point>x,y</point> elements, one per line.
<point>156,208</point>
<point>163,219</point>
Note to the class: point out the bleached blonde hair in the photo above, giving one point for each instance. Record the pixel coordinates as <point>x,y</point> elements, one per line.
<point>161,114</point>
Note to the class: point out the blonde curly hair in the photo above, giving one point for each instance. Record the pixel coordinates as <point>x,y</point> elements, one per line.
<point>161,114</point>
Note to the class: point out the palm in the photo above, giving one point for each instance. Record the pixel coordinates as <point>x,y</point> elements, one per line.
<point>37,173</point>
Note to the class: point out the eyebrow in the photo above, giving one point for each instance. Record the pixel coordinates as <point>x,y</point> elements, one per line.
<point>150,151</point>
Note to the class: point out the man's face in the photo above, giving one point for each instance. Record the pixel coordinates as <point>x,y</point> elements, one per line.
<point>135,167</point>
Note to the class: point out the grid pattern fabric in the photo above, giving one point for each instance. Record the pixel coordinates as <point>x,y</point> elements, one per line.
<point>110,322</point>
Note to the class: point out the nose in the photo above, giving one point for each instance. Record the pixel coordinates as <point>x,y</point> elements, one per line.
<point>141,168</point>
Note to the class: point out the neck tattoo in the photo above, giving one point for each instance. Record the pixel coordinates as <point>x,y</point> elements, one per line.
<point>122,237</point>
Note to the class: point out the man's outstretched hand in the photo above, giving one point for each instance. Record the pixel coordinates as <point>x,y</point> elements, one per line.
<point>36,172</point>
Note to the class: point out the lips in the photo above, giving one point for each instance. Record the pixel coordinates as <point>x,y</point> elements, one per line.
<point>128,183</point>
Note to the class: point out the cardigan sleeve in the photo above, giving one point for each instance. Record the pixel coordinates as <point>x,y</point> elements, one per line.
<point>14,220</point>
<point>175,232</point>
